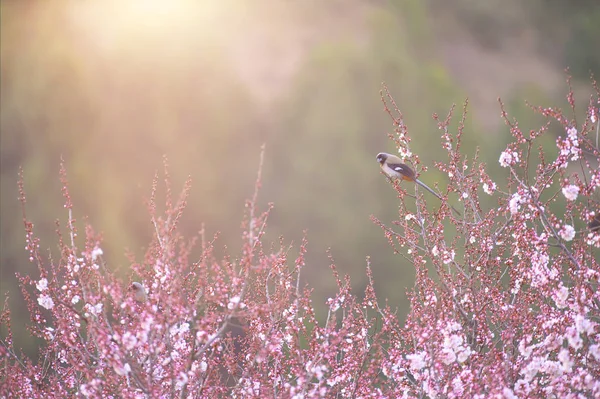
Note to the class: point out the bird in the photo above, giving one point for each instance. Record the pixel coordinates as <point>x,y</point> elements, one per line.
<point>139,292</point>
<point>393,168</point>
<point>594,224</point>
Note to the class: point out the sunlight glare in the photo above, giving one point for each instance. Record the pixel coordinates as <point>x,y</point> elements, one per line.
<point>154,13</point>
<point>118,22</point>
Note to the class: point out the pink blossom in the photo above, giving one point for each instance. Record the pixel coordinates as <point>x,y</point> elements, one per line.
<point>560,296</point>
<point>417,360</point>
<point>45,301</point>
<point>515,203</point>
<point>570,192</point>
<point>565,359</point>
<point>489,188</point>
<point>42,285</point>
<point>508,158</point>
<point>97,252</point>
<point>567,232</point>
<point>129,340</point>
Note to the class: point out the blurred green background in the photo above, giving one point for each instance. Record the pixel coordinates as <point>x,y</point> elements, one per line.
<point>112,86</point>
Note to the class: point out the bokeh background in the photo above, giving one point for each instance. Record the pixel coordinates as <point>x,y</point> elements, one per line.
<point>112,86</point>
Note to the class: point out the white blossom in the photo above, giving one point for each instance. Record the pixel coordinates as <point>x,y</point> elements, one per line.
<point>565,360</point>
<point>182,379</point>
<point>417,360</point>
<point>524,349</point>
<point>508,158</point>
<point>508,393</point>
<point>514,203</point>
<point>83,389</point>
<point>203,366</point>
<point>96,252</point>
<point>560,297</point>
<point>129,340</point>
<point>573,338</point>
<point>448,256</point>
<point>404,152</point>
<point>42,285</point>
<point>567,233</point>
<point>584,325</point>
<point>233,302</point>
<point>45,301</point>
<point>448,356</point>
<point>570,192</point>
<point>463,355</point>
<point>93,309</point>
<point>489,188</point>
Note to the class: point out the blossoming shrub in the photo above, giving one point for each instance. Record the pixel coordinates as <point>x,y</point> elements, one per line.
<point>505,303</point>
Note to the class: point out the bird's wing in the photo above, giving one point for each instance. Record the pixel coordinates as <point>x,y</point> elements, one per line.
<point>402,169</point>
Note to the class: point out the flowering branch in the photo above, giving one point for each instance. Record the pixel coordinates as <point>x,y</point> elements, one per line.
<point>505,302</point>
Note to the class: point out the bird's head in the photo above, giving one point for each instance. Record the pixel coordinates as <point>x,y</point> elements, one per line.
<point>139,292</point>
<point>381,157</point>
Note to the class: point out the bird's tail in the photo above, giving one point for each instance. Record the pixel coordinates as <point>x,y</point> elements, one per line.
<point>426,187</point>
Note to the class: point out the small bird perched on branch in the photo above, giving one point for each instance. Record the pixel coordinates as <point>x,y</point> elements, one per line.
<point>393,168</point>
<point>594,224</point>
<point>139,292</point>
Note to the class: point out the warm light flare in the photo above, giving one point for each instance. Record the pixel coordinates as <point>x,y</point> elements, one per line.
<point>152,13</point>
<point>153,8</point>
<point>130,21</point>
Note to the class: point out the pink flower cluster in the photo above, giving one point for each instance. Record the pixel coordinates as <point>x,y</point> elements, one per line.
<point>505,303</point>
